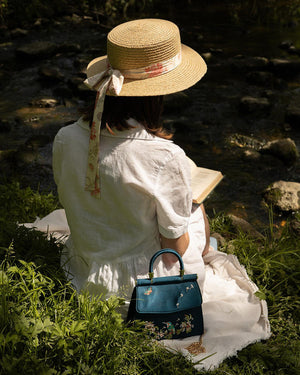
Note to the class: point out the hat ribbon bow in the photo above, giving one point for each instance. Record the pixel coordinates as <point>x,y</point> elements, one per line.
<point>112,80</point>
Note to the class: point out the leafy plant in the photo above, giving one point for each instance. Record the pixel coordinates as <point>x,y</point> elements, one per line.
<point>50,329</point>
<point>23,204</point>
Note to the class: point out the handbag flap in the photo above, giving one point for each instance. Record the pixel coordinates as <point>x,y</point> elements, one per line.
<point>167,279</point>
<point>167,294</point>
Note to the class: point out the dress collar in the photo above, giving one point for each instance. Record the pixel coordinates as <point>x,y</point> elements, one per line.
<point>137,131</point>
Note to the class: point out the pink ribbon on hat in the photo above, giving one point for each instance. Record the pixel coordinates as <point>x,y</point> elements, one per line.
<point>112,80</point>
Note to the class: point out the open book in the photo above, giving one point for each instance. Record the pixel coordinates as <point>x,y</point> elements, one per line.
<point>204,180</point>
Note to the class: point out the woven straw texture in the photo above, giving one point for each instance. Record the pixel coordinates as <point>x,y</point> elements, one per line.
<point>141,43</point>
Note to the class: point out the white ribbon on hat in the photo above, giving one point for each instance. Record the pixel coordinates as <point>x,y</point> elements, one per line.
<point>112,80</point>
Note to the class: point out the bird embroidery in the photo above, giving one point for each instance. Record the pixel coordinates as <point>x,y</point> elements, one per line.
<point>148,291</point>
<point>170,327</point>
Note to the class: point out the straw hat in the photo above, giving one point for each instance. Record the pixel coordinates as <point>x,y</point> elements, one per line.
<point>147,43</point>
<point>144,58</point>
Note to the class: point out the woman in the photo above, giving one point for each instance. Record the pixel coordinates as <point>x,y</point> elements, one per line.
<point>127,193</point>
<point>137,193</point>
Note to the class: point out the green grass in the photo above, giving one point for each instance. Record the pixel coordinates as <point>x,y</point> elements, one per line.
<point>47,328</point>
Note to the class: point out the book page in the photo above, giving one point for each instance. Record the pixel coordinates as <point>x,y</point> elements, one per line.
<point>204,180</point>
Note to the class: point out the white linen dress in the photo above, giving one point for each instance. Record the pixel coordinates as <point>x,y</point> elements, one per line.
<point>145,191</point>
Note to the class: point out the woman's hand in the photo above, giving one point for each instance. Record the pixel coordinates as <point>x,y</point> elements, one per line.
<point>179,244</point>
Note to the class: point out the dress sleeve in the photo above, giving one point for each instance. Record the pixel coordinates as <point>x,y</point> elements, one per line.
<point>173,196</point>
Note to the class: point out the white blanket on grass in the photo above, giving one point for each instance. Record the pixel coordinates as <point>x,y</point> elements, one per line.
<point>233,316</point>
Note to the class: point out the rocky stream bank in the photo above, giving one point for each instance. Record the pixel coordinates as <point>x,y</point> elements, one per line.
<point>243,118</point>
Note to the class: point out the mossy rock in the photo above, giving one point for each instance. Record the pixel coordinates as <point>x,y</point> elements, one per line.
<point>283,149</point>
<point>283,195</point>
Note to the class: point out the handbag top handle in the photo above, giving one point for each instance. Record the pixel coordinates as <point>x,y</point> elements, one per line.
<point>163,251</point>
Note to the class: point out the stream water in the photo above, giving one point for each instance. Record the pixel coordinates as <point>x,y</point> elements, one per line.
<point>209,115</point>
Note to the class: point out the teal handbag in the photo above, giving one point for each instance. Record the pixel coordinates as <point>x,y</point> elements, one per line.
<point>170,307</point>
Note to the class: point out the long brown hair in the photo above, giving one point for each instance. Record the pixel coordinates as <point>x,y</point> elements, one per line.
<point>146,110</point>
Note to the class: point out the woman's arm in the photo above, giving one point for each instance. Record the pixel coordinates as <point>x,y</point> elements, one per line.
<point>207,231</point>
<point>179,244</point>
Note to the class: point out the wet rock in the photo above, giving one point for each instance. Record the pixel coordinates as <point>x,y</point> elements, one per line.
<point>249,104</point>
<point>270,94</point>
<point>74,18</point>
<point>292,117</point>
<point>176,102</point>
<point>286,44</point>
<point>51,74</point>
<point>45,103</point>
<point>283,195</point>
<point>216,51</point>
<point>69,47</point>
<point>251,155</point>
<point>206,56</point>
<point>243,141</point>
<point>242,225</point>
<point>18,32</point>
<point>36,50</point>
<point>283,149</point>
<point>293,50</point>
<point>38,23</point>
<point>285,67</point>
<point>260,78</point>
<point>242,63</point>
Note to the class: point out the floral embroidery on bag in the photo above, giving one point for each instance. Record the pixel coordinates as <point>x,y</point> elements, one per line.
<point>170,329</point>
<point>186,325</point>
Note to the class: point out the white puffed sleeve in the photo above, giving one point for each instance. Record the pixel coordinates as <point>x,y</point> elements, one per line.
<point>173,196</point>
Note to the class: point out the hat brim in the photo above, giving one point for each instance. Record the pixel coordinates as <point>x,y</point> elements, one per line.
<point>191,69</point>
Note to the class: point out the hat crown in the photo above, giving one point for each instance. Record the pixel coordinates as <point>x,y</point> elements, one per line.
<point>140,43</point>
